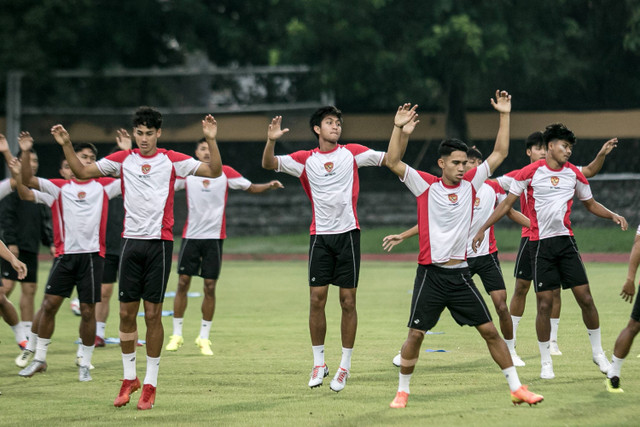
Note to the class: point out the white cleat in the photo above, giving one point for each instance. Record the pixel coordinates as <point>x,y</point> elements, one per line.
<point>84,374</point>
<point>317,375</point>
<point>602,362</point>
<point>339,379</point>
<point>553,349</point>
<point>517,362</point>
<point>79,363</point>
<point>546,373</point>
<point>397,360</point>
<point>24,358</point>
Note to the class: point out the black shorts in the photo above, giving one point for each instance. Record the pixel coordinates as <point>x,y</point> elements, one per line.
<point>30,259</point>
<point>145,266</point>
<point>436,288</point>
<point>201,257</point>
<point>522,269</point>
<point>83,271</point>
<point>488,268</point>
<point>635,313</point>
<point>110,274</point>
<point>556,262</point>
<point>335,259</point>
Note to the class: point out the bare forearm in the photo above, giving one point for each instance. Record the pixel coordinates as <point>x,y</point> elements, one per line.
<point>269,160</point>
<point>216,161</point>
<point>410,232</point>
<point>259,188</point>
<point>501,147</point>
<point>518,218</point>
<point>595,166</point>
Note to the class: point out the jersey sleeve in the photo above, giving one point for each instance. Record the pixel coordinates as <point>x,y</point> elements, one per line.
<point>44,198</point>
<point>50,187</point>
<point>417,182</point>
<point>478,175</point>
<point>5,188</point>
<point>521,179</point>
<point>112,164</point>
<point>583,189</point>
<point>638,231</point>
<point>506,180</point>
<point>365,156</point>
<point>184,165</point>
<point>180,184</point>
<point>293,164</point>
<point>235,181</point>
<point>112,187</point>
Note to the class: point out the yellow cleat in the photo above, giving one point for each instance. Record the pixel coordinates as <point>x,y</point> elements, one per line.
<point>613,385</point>
<point>400,400</point>
<point>205,346</point>
<point>175,342</point>
<point>523,395</point>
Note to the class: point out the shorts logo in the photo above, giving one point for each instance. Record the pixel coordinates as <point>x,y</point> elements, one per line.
<point>146,168</point>
<point>453,198</point>
<point>555,180</point>
<point>476,202</point>
<point>206,183</point>
<point>328,166</point>
<point>415,322</point>
<point>82,195</point>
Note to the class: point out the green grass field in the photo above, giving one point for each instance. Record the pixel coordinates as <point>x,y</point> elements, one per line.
<point>259,373</point>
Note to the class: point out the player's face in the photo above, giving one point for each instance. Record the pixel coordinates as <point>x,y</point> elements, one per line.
<point>453,167</point>
<point>536,152</point>
<point>34,163</point>
<point>202,152</point>
<point>65,170</point>
<point>472,163</point>
<point>329,130</point>
<point>560,150</point>
<point>86,156</point>
<point>146,139</point>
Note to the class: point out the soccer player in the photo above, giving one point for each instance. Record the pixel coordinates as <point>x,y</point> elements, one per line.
<point>550,185</point>
<point>628,334</point>
<point>445,210</point>
<point>536,150</point>
<point>148,174</point>
<point>484,262</point>
<point>79,213</point>
<point>329,176</point>
<point>202,238</point>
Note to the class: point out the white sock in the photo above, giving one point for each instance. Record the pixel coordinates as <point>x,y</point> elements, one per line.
<point>515,320</point>
<point>177,326</point>
<point>345,363</point>
<point>318,355</point>
<point>33,340</point>
<point>616,367</point>
<point>512,378</point>
<point>596,344</point>
<point>79,350</point>
<point>26,325</point>
<point>87,353</point>
<point>129,364</point>
<point>205,329</point>
<point>554,329</point>
<point>101,328</point>
<point>511,345</point>
<point>403,383</point>
<point>19,333</point>
<point>41,349</point>
<point>153,365</point>
<point>545,351</point>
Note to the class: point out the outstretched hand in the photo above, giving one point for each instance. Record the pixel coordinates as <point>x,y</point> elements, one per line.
<point>16,167</point>
<point>19,267</point>
<point>275,184</point>
<point>123,140</point>
<point>502,103</point>
<point>621,221</point>
<point>388,242</point>
<point>275,131</point>
<point>25,141</point>
<point>628,291</point>
<point>4,145</point>
<point>61,135</point>
<point>210,127</point>
<point>477,241</point>
<point>405,114</point>
<point>609,146</point>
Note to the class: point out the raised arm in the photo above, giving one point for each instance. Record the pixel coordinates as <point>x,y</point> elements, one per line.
<point>24,193</point>
<point>274,132</point>
<point>502,104</point>
<point>25,141</point>
<point>629,286</point>
<point>500,211</point>
<point>210,131</point>
<point>123,140</point>
<point>4,149</point>
<point>388,242</point>
<point>404,123</point>
<point>599,210</point>
<point>261,188</point>
<point>594,167</point>
<point>81,171</point>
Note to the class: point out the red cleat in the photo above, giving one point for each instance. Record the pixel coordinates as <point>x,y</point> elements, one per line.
<point>147,398</point>
<point>522,395</point>
<point>128,387</point>
<point>400,401</point>
<point>99,342</point>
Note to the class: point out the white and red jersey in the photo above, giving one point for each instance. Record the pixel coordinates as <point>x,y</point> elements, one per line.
<point>5,188</point>
<point>207,200</point>
<point>148,189</point>
<point>79,211</point>
<point>330,179</point>
<point>487,197</point>
<point>550,196</point>
<point>444,213</point>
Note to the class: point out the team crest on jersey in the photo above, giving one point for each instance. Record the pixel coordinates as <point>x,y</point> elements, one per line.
<point>555,180</point>
<point>82,195</point>
<point>476,202</point>
<point>146,168</point>
<point>328,166</point>
<point>206,183</point>
<point>453,198</point>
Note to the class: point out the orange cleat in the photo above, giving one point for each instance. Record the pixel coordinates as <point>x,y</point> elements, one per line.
<point>128,387</point>
<point>147,398</point>
<point>400,400</point>
<point>523,395</point>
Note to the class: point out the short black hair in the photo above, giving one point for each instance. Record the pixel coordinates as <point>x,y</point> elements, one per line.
<point>448,146</point>
<point>31,150</point>
<point>147,116</point>
<point>82,145</point>
<point>558,131</point>
<point>200,141</point>
<point>474,153</point>
<point>318,116</point>
<point>534,140</point>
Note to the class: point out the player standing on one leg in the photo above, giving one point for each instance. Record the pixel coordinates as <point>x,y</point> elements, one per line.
<point>148,174</point>
<point>550,185</point>
<point>329,176</point>
<point>202,238</point>
<point>628,334</point>
<point>445,210</point>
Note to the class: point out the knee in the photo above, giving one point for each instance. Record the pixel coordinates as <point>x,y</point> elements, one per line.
<point>87,312</point>
<point>183,284</point>
<point>415,337</point>
<point>348,304</point>
<point>502,309</point>
<point>29,290</point>
<point>210,287</point>
<point>317,302</point>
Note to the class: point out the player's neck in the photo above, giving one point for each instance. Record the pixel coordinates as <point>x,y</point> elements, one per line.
<point>553,164</point>
<point>325,145</point>
<point>149,152</point>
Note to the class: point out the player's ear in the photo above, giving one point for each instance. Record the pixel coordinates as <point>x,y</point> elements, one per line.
<point>441,162</point>
<point>159,132</point>
<point>316,129</point>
